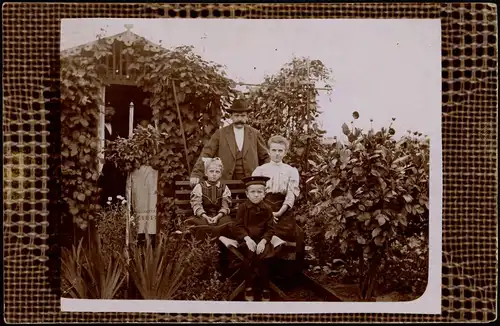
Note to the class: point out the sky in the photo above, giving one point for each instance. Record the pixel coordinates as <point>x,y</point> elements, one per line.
<point>381,68</point>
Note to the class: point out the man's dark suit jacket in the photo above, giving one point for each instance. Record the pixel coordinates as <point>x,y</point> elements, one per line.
<point>222,144</point>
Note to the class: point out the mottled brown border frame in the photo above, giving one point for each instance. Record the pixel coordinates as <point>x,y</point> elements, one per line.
<point>469,72</point>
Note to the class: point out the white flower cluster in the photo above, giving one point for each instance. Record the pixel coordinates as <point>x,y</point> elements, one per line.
<point>119,198</point>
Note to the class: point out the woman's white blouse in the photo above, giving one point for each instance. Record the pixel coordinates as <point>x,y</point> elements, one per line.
<point>285,180</point>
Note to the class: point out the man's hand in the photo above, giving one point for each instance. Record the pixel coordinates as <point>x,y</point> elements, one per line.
<point>261,246</point>
<point>193,181</point>
<point>252,246</point>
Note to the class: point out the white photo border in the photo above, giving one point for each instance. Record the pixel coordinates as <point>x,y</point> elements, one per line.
<point>428,303</point>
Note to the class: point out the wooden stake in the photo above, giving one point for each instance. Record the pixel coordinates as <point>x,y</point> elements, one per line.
<point>128,196</point>
<point>181,126</point>
<point>308,124</point>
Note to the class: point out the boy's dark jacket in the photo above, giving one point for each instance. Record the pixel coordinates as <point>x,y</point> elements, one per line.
<point>253,220</point>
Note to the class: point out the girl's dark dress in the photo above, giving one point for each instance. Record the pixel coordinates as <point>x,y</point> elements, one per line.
<point>210,198</point>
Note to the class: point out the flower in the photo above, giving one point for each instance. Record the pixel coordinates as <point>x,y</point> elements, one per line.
<point>119,197</point>
<point>108,202</point>
<point>355,115</point>
<point>110,198</point>
<point>124,202</point>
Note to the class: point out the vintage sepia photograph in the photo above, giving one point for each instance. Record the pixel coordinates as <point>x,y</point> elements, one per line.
<point>251,166</point>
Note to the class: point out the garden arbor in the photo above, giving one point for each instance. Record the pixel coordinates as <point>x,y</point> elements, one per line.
<point>174,89</point>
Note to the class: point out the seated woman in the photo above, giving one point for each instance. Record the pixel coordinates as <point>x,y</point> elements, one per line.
<point>281,191</point>
<point>210,200</point>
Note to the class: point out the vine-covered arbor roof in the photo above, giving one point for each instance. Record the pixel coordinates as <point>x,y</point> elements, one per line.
<point>116,53</point>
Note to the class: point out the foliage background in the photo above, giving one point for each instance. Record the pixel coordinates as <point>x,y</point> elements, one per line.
<point>358,196</point>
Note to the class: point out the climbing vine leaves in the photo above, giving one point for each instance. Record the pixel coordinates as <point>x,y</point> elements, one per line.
<point>202,91</point>
<point>80,102</point>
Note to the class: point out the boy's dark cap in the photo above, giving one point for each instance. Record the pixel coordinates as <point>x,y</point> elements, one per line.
<point>255,180</point>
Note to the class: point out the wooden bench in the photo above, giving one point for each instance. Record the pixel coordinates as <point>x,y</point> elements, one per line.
<point>183,192</point>
<point>238,196</point>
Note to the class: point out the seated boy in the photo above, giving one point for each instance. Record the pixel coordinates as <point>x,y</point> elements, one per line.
<point>254,226</point>
<point>210,200</point>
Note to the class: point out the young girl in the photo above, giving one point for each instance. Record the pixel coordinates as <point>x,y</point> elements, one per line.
<point>210,200</point>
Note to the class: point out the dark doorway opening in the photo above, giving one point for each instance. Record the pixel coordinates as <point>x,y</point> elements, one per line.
<point>120,97</point>
<point>113,180</point>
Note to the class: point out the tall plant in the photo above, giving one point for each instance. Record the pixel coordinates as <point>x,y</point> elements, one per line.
<point>367,191</point>
<point>159,272</point>
<point>286,104</point>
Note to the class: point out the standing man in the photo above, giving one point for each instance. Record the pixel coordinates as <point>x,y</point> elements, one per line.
<point>239,146</point>
<point>112,180</point>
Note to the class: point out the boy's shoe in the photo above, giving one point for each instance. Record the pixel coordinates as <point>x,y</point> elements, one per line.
<point>248,294</point>
<point>266,295</point>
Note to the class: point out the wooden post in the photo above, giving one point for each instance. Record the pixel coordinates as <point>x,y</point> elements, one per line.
<point>128,196</point>
<point>308,125</point>
<point>101,130</point>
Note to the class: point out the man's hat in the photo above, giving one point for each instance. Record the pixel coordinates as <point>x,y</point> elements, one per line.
<point>255,180</point>
<point>239,106</point>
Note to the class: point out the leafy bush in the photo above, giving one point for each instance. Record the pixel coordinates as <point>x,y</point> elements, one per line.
<point>143,148</point>
<point>204,282</point>
<point>366,192</point>
<point>406,266</point>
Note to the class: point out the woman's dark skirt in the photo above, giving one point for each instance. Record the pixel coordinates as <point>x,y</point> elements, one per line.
<point>287,228</point>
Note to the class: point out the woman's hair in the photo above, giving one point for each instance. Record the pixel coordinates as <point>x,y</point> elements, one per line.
<point>278,139</point>
<point>208,162</point>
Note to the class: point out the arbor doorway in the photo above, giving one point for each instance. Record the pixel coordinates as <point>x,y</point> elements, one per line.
<point>113,180</point>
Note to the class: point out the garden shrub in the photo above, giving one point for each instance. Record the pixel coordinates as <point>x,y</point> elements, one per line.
<point>406,266</point>
<point>366,193</point>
